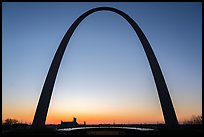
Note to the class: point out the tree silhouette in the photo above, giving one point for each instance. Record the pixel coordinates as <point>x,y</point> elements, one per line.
<point>194,120</point>
<point>10,121</point>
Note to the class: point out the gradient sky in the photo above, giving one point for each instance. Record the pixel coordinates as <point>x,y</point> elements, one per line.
<point>104,75</point>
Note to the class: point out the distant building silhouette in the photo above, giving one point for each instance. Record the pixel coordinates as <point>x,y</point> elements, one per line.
<point>69,124</point>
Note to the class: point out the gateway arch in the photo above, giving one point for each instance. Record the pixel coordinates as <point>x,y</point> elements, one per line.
<point>163,93</point>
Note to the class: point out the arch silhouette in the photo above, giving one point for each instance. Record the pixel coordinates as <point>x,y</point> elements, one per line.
<point>164,97</point>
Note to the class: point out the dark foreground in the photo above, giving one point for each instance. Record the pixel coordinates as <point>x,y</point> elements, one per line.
<point>182,131</point>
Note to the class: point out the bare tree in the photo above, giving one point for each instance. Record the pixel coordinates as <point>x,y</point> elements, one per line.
<point>10,121</point>
<point>194,120</point>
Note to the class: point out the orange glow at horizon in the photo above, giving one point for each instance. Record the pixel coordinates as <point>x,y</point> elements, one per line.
<point>126,118</point>
<point>100,116</point>
<point>105,119</point>
<point>91,113</point>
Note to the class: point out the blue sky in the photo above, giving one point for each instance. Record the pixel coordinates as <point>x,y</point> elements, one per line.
<point>104,68</point>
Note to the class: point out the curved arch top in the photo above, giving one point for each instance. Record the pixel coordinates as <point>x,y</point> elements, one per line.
<point>164,97</point>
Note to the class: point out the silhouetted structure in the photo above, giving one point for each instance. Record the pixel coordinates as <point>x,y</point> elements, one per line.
<point>69,124</point>
<point>165,100</point>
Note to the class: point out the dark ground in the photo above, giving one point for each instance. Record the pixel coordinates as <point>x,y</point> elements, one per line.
<point>193,131</point>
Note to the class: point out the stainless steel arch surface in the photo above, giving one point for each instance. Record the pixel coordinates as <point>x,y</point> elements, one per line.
<point>164,97</point>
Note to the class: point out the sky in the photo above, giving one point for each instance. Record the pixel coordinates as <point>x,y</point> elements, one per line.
<point>104,76</point>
